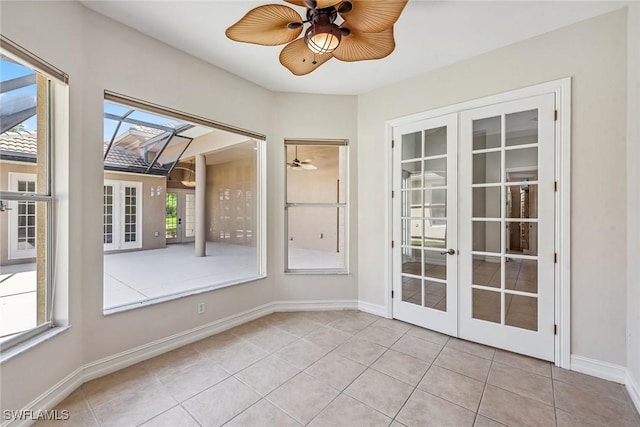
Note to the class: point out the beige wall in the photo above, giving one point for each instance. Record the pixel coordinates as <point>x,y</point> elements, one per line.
<point>593,53</point>
<point>153,207</point>
<point>633,194</point>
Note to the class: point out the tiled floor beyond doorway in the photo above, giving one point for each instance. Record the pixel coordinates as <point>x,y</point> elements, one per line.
<point>344,368</point>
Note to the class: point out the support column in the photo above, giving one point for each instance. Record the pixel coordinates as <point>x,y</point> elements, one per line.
<point>201,210</point>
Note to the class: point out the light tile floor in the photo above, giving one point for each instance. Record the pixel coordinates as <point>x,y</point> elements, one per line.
<point>344,368</point>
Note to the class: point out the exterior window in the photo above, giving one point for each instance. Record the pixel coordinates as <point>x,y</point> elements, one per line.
<point>26,198</point>
<point>316,208</point>
<point>163,237</point>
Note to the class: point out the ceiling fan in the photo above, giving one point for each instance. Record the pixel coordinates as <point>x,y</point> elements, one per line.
<point>297,164</point>
<point>366,31</point>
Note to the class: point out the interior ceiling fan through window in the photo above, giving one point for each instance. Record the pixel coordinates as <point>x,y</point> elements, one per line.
<point>366,31</point>
<point>298,165</point>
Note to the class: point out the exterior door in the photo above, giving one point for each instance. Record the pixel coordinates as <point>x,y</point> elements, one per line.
<point>180,216</point>
<point>506,207</point>
<point>425,234</point>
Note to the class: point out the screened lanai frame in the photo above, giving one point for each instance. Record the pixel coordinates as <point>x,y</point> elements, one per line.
<point>159,138</point>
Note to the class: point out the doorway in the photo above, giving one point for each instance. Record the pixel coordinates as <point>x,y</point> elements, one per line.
<point>475,224</point>
<point>180,216</point>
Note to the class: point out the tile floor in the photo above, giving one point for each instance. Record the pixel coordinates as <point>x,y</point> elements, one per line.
<point>344,368</point>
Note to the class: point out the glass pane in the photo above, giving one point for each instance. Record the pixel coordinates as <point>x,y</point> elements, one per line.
<point>522,238</point>
<point>486,236</point>
<point>522,159</point>
<point>411,232</point>
<point>486,168</point>
<point>486,202</point>
<point>486,133</point>
<point>435,295</point>
<point>411,290</point>
<point>486,271</point>
<point>435,203</point>
<point>521,128</point>
<point>435,265</point>
<point>435,233</point>
<point>171,216</point>
<point>521,311</point>
<point>316,238</point>
<point>435,172</point>
<point>316,174</point>
<point>411,146</point>
<point>411,261</point>
<point>435,142</point>
<point>24,281</point>
<point>521,275</point>
<point>522,201</point>
<point>486,305</point>
<point>22,144</point>
<point>411,202</point>
<point>412,175</point>
<point>190,214</point>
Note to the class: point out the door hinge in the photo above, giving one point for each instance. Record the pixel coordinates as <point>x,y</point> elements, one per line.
<point>392,244</point>
<point>555,115</point>
<point>555,186</point>
<point>555,329</point>
<point>555,258</point>
<point>391,294</point>
<point>393,194</point>
<point>393,143</point>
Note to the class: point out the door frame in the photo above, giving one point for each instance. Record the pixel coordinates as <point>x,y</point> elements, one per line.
<point>181,207</point>
<point>562,272</point>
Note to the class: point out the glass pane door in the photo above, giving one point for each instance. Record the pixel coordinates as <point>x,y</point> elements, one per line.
<point>507,226</point>
<point>424,205</point>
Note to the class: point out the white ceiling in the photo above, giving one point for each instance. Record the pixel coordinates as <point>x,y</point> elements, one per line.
<point>429,35</point>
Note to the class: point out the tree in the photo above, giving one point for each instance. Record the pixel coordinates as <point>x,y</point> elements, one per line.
<point>18,128</point>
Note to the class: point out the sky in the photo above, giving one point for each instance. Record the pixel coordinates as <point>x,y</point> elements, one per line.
<point>10,70</point>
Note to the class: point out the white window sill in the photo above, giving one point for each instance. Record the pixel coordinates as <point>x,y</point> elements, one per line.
<point>20,348</point>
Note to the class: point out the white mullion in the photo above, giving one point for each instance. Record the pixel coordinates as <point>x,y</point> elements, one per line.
<point>521,146</point>
<point>503,208</point>
<point>422,210</point>
<point>487,150</point>
<point>521,293</point>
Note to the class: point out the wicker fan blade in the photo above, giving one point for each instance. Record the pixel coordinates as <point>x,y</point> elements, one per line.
<point>266,25</point>
<point>373,16</point>
<point>298,59</point>
<point>360,46</point>
<point>320,4</point>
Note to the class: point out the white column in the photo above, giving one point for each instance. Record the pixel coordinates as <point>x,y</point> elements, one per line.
<point>201,224</point>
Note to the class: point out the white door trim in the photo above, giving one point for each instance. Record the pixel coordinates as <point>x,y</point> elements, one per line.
<point>562,90</point>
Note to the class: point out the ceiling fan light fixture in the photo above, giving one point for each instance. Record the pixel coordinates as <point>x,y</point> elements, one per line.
<point>323,38</point>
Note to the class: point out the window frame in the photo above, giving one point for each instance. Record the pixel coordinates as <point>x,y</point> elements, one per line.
<point>345,206</point>
<point>55,86</point>
<point>260,222</point>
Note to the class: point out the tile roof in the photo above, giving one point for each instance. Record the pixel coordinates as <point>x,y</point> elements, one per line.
<point>22,142</point>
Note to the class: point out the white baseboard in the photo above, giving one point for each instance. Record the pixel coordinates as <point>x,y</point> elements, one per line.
<point>367,307</point>
<point>56,394</point>
<point>328,305</point>
<point>50,398</point>
<point>633,388</point>
<point>597,368</point>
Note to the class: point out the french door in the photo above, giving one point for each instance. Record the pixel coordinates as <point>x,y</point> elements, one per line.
<point>425,195</point>
<point>180,216</point>
<point>498,245</point>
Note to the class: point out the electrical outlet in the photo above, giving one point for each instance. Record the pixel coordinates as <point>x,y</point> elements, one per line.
<point>157,234</point>
<point>200,307</point>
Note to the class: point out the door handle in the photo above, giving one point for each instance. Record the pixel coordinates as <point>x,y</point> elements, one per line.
<point>450,252</point>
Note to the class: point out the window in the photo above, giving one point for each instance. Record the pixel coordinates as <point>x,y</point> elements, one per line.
<point>163,238</point>
<point>316,209</point>
<point>27,116</point>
